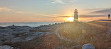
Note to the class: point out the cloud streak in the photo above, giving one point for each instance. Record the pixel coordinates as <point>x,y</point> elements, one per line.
<point>5,9</point>
<point>58,1</point>
<point>62,1</point>
<point>103,11</point>
<point>92,15</point>
<point>10,10</point>
<point>85,16</point>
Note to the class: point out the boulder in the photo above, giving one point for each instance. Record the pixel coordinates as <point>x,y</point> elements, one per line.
<point>88,46</point>
<point>76,47</point>
<point>6,47</point>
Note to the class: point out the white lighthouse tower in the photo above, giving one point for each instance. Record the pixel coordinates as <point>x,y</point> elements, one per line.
<point>76,15</point>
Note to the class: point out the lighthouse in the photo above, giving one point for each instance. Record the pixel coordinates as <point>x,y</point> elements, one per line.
<point>76,15</point>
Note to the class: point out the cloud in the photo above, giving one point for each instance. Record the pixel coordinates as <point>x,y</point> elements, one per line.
<point>10,10</point>
<point>103,11</point>
<point>92,15</point>
<point>63,16</point>
<point>62,1</point>
<point>45,16</point>
<point>5,9</point>
<point>84,16</point>
<point>58,1</point>
<point>20,12</point>
<point>54,16</point>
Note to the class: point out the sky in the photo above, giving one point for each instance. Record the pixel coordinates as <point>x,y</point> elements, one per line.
<point>52,10</point>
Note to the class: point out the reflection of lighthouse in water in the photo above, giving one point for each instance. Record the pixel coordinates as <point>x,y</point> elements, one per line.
<point>76,15</point>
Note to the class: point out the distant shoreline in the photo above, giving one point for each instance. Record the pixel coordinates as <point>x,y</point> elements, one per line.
<point>31,24</point>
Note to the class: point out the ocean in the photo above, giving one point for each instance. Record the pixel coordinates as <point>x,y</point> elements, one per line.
<point>31,24</point>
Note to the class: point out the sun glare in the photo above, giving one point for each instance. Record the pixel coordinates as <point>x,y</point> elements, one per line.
<point>70,19</point>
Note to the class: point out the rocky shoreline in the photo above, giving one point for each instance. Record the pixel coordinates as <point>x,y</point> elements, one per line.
<point>91,35</point>
<point>13,34</point>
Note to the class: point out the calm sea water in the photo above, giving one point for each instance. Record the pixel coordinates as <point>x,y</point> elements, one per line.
<point>31,24</point>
